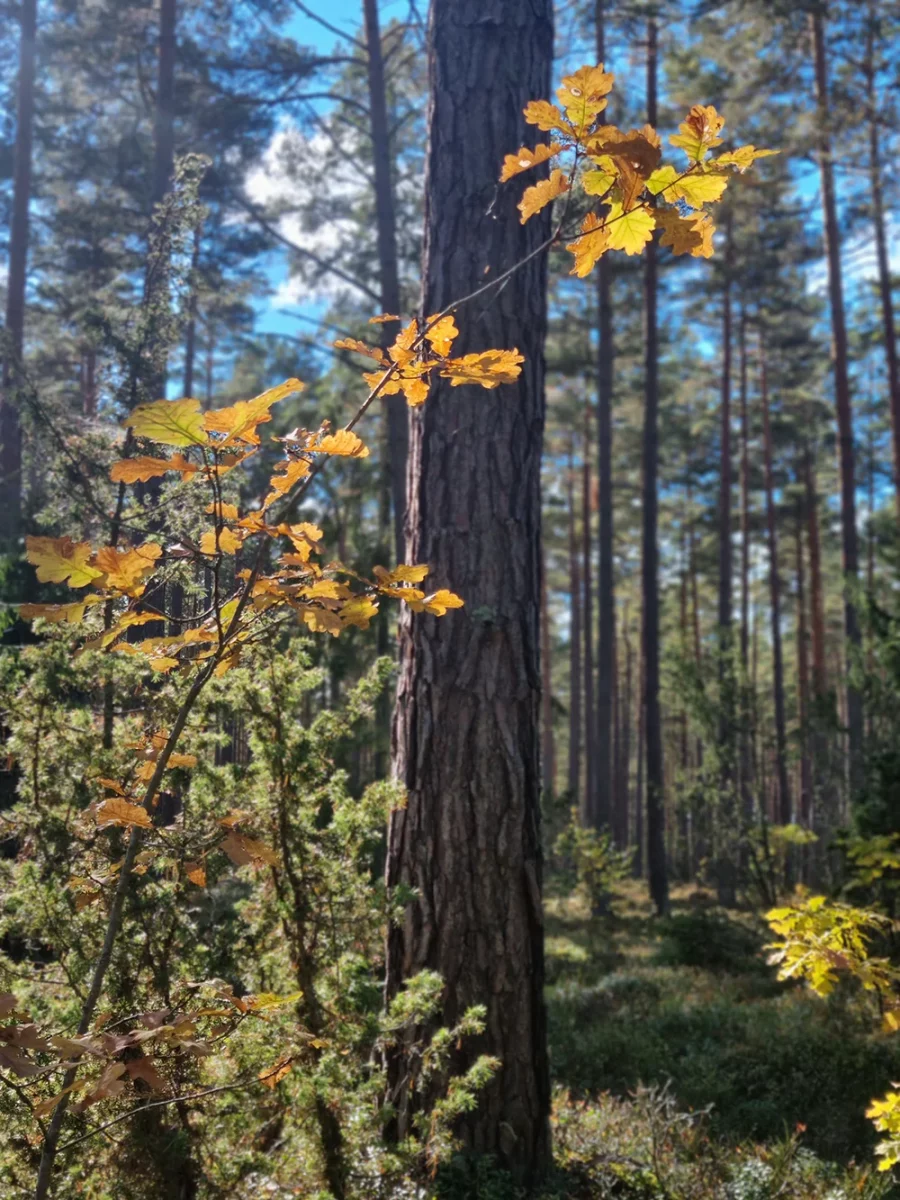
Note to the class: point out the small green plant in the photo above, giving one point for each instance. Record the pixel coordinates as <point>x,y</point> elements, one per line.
<point>590,862</point>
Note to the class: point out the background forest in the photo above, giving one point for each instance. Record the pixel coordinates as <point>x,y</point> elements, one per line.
<point>586,887</point>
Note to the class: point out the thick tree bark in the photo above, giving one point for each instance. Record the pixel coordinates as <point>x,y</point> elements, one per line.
<point>849,540</point>
<point>784,793</point>
<point>388,271</point>
<point>876,189</point>
<point>548,742</point>
<point>575,644</point>
<point>10,427</point>
<point>656,820</point>
<point>467,721</point>
<point>592,796</point>
<point>608,800</point>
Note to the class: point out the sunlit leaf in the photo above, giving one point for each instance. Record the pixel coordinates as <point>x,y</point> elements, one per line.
<point>60,560</point>
<point>171,422</point>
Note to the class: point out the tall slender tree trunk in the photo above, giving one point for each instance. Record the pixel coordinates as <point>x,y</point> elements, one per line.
<point>190,333</point>
<point>746,723</point>
<point>784,793</point>
<point>640,773</point>
<point>592,798</point>
<point>10,426</point>
<point>656,820</point>
<point>467,720</point>
<point>548,745</point>
<point>389,275</point>
<point>849,542</point>
<point>724,514</point>
<point>575,644</point>
<point>623,808</point>
<point>608,800</point>
<point>817,606</point>
<point>805,799</point>
<point>876,192</point>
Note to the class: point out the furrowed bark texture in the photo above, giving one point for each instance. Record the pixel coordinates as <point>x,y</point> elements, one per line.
<point>466,730</point>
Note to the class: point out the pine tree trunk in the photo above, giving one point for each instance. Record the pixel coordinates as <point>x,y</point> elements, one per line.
<point>10,427</point>
<point>467,720</point>
<point>575,643</point>
<point>623,792</point>
<point>190,333</point>
<point>876,188</point>
<point>656,819</point>
<point>806,792</point>
<point>548,746</point>
<point>724,514</point>
<point>784,794</point>
<point>592,796</point>
<point>849,543</point>
<point>607,782</point>
<point>817,606</point>
<point>388,271</point>
<point>746,731</point>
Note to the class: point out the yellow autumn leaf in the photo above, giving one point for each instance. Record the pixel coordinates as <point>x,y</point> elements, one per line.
<point>54,613</point>
<point>437,603</point>
<point>541,194</point>
<point>524,159</point>
<point>489,369</point>
<point>699,132</point>
<point>697,190</point>
<point>239,421</point>
<point>359,611</point>
<point>414,389</point>
<point>590,246</point>
<point>229,542</point>
<point>271,1076</point>
<point>359,347</point>
<point>742,158</point>
<point>226,512</point>
<point>60,560</point>
<point>144,467</point>
<point>404,573</point>
<point>629,231</point>
<point>685,235</point>
<point>546,116</point>
<point>345,443</point>
<point>383,318</point>
<point>287,473</point>
<point>116,811</point>
<point>441,335</point>
<point>171,422</point>
<point>196,873</point>
<point>124,569</point>
<point>244,851</point>
<point>583,95</point>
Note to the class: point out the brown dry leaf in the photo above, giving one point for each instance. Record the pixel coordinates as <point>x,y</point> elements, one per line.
<point>116,811</point>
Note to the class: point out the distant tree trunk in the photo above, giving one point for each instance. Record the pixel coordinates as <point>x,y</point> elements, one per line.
<point>876,188</point>
<point>467,720</point>
<point>89,381</point>
<point>548,747</point>
<point>639,830</point>
<point>10,427</point>
<point>190,333</point>
<point>784,794</point>
<point>724,514</point>
<point>592,796</point>
<point>656,819</point>
<point>842,397</point>
<point>805,799</point>
<point>623,824</point>
<point>607,782</point>
<point>817,607</point>
<point>575,643</point>
<point>745,495</point>
<point>389,275</point>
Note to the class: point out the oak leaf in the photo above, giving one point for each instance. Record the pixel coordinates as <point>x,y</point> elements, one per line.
<point>345,443</point>
<point>590,246</point>
<point>54,613</point>
<point>124,569</point>
<point>272,1076</point>
<point>244,851</point>
<point>144,467</point>
<point>699,132</point>
<point>196,873</point>
<point>583,95</point>
<point>116,811</point>
<point>541,194</point>
<point>359,347</point>
<point>629,231</point>
<point>171,422</point>
<point>239,422</point>
<point>489,369</point>
<point>229,542</point>
<point>441,335</point>
<point>742,158</point>
<point>60,560</point>
<point>546,116</point>
<point>437,603</point>
<point>524,159</point>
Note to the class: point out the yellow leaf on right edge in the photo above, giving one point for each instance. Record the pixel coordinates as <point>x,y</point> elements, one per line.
<point>171,422</point>
<point>60,560</point>
<point>541,194</point>
<point>589,247</point>
<point>437,603</point>
<point>629,231</point>
<point>116,811</point>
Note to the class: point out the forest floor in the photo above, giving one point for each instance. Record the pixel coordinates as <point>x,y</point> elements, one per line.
<point>685,1070</point>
